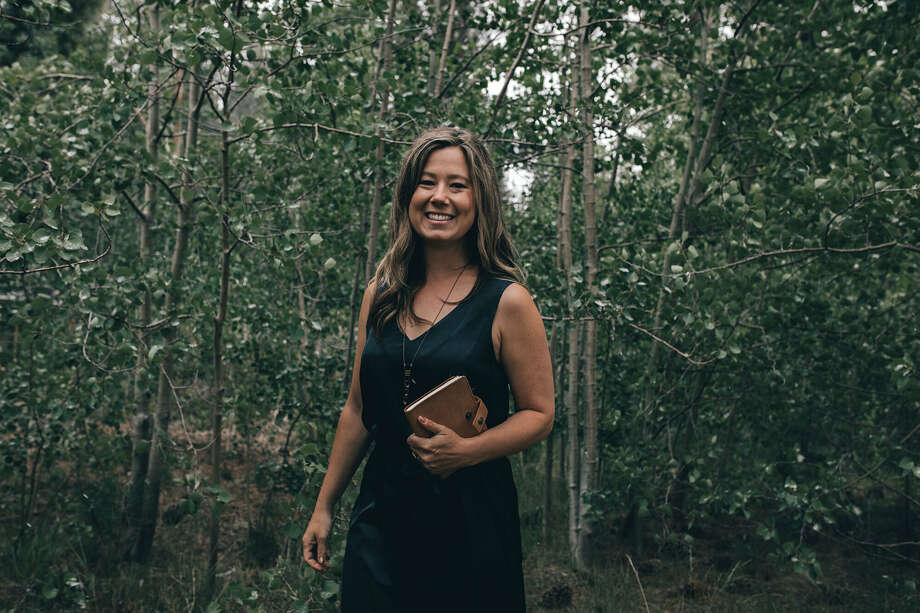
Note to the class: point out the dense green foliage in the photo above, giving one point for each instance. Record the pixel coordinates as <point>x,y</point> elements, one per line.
<point>758,342</point>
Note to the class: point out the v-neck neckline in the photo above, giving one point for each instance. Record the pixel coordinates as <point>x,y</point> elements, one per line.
<point>457,306</point>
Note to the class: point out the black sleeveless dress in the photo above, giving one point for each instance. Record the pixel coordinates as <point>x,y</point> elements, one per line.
<point>417,542</point>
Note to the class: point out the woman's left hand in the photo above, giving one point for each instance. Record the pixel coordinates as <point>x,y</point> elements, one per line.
<point>443,453</point>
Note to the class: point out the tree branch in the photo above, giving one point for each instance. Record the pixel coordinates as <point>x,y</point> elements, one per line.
<point>514,64</point>
<point>670,346</point>
<point>130,200</point>
<point>316,127</point>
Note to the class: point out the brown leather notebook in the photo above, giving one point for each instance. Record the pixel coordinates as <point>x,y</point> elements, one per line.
<point>452,404</point>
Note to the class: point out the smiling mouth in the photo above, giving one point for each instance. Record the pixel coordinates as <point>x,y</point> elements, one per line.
<point>438,216</point>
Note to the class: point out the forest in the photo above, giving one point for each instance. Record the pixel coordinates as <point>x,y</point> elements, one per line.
<point>716,205</point>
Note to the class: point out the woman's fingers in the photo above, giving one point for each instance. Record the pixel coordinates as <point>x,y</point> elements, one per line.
<point>322,553</point>
<point>433,426</point>
<point>315,551</point>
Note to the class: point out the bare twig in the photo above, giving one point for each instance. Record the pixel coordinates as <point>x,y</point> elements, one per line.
<point>868,473</point>
<point>641,590</point>
<point>31,178</point>
<point>100,367</point>
<point>130,200</point>
<point>778,252</point>
<point>168,188</point>
<point>188,435</point>
<point>64,75</point>
<point>317,127</point>
<point>671,347</point>
<point>22,20</point>
<point>633,22</point>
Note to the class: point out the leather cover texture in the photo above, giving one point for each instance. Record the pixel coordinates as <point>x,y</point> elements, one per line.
<point>453,405</point>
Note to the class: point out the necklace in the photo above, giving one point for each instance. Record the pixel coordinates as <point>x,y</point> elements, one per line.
<point>407,369</point>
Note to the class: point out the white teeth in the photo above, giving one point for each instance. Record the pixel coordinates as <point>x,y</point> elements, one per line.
<point>438,216</point>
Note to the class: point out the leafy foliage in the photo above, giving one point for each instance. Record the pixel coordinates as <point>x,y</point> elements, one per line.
<point>758,364</point>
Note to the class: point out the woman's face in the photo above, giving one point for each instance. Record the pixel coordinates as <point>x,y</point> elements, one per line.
<point>442,207</point>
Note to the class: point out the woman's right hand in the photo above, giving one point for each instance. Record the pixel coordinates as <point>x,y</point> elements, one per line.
<point>316,541</point>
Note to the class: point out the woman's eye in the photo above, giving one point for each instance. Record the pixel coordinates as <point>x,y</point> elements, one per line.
<point>458,185</point>
<point>426,183</point>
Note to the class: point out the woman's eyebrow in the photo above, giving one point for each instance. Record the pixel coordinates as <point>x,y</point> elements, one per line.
<point>431,174</point>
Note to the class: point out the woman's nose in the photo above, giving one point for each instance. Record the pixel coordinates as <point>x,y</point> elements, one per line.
<point>440,193</point>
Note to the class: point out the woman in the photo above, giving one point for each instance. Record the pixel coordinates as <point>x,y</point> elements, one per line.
<point>435,526</point>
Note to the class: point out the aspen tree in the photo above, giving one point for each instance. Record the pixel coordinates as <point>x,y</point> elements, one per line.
<point>141,395</point>
<point>226,249</point>
<point>386,53</point>
<point>439,79</point>
<point>435,18</point>
<point>165,391</point>
<point>589,459</point>
<point>570,396</point>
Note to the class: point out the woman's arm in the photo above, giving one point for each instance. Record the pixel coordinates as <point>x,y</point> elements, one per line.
<point>348,448</point>
<point>520,341</point>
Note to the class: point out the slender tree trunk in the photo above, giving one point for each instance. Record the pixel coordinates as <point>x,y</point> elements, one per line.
<point>352,323</point>
<point>301,294</point>
<point>573,444</point>
<point>570,396</point>
<point>301,307</point>
<point>589,460</point>
<point>435,18</point>
<point>217,406</point>
<point>386,50</point>
<point>140,437</point>
<point>444,48</point>
<point>554,342</point>
<point>156,460</point>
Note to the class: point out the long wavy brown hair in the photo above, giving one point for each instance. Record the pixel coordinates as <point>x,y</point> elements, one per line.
<point>401,272</point>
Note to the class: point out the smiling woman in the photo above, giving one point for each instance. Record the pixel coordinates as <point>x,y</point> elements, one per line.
<point>435,526</point>
<point>442,207</point>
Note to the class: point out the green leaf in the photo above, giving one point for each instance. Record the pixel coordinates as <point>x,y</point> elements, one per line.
<point>74,241</point>
<point>330,590</point>
<point>147,57</point>
<point>225,38</point>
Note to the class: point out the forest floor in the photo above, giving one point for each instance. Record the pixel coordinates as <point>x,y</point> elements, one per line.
<point>68,563</point>
<point>722,571</point>
<point>850,582</point>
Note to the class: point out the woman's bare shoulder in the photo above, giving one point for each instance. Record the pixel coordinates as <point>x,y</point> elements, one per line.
<point>515,301</point>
